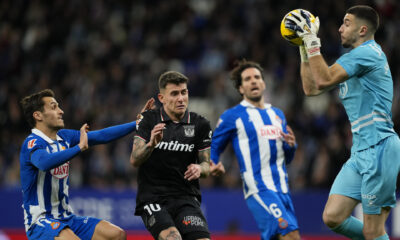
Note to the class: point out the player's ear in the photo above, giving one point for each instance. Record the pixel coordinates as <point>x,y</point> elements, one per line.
<point>241,89</point>
<point>160,97</point>
<point>37,115</point>
<point>363,30</point>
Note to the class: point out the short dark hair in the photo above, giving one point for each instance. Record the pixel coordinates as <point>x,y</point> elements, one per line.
<point>171,77</point>
<point>241,65</point>
<point>33,103</point>
<point>366,13</point>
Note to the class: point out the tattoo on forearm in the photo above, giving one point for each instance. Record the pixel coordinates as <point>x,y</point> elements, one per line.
<point>204,162</point>
<point>173,235</point>
<point>140,152</point>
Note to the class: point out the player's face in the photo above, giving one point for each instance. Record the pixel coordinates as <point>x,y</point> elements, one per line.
<point>175,99</point>
<point>52,114</point>
<point>253,85</point>
<point>349,30</point>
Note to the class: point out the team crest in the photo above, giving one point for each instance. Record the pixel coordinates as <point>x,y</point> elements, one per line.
<point>31,143</point>
<point>189,130</point>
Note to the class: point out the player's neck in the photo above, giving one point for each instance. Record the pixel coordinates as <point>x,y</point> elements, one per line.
<point>174,117</point>
<point>49,132</point>
<point>362,40</point>
<point>256,103</point>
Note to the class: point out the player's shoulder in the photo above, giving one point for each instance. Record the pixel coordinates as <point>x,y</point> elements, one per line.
<point>152,113</point>
<point>197,118</point>
<point>32,141</point>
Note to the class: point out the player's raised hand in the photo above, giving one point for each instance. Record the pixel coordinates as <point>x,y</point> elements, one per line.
<point>193,172</point>
<point>301,23</point>
<point>217,169</point>
<point>289,137</point>
<point>83,141</point>
<point>156,134</point>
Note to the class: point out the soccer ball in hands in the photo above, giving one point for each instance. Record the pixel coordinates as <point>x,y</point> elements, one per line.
<point>287,33</point>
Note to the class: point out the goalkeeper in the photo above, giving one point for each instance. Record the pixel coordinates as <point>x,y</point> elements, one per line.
<point>366,91</point>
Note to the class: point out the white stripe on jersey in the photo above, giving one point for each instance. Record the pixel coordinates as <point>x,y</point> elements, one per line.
<point>245,150</point>
<point>261,202</point>
<point>54,196</point>
<point>264,148</point>
<point>280,155</point>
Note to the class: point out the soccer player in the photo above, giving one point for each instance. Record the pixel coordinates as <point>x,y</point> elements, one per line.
<point>45,158</point>
<point>366,91</point>
<point>172,151</point>
<point>263,144</point>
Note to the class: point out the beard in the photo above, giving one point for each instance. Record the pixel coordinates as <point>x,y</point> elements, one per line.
<point>254,98</point>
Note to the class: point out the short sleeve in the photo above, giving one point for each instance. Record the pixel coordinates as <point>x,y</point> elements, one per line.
<point>358,61</point>
<point>205,134</point>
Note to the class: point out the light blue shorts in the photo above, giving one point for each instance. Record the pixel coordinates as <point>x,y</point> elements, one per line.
<point>370,176</point>
<point>273,212</point>
<point>49,228</point>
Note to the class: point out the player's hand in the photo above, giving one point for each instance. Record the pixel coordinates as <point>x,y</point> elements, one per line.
<point>148,106</point>
<point>193,172</point>
<point>83,141</point>
<point>289,137</point>
<point>217,169</point>
<point>156,134</point>
<point>301,24</point>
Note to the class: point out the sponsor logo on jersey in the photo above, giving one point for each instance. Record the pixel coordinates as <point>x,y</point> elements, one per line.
<point>31,143</point>
<point>175,146</point>
<point>61,171</point>
<point>270,132</point>
<point>55,225</point>
<point>282,223</point>
<point>370,197</point>
<point>193,221</point>
<point>189,130</point>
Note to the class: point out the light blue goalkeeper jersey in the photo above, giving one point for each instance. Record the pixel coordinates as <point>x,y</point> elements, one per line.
<point>255,135</point>
<point>367,94</point>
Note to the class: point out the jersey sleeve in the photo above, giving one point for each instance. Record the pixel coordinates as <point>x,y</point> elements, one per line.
<point>358,61</point>
<point>205,134</point>
<point>222,135</point>
<point>109,134</point>
<point>144,127</point>
<point>289,151</point>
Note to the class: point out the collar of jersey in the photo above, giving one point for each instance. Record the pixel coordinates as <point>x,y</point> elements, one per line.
<point>165,117</point>
<point>245,103</point>
<point>42,135</point>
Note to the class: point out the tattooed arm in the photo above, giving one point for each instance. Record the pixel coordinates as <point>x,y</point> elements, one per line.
<point>195,171</point>
<point>142,151</point>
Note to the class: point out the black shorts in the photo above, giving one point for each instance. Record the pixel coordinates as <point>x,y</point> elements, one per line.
<point>184,213</point>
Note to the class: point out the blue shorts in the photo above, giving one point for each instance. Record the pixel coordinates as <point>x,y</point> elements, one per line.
<point>49,228</point>
<point>370,176</point>
<point>273,212</point>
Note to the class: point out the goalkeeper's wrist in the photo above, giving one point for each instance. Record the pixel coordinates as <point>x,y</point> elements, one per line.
<point>312,45</point>
<point>303,53</point>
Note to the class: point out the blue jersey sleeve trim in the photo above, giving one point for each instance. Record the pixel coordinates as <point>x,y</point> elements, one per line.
<point>46,161</point>
<point>111,133</point>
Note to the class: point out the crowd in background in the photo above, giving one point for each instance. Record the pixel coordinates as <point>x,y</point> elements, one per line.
<point>103,59</point>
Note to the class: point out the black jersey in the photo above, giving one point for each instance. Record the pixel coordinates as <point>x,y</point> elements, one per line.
<point>162,174</point>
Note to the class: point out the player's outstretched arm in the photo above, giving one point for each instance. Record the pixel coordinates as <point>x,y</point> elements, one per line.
<point>45,161</point>
<point>141,150</point>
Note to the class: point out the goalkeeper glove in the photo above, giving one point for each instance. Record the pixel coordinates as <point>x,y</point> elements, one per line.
<point>307,30</point>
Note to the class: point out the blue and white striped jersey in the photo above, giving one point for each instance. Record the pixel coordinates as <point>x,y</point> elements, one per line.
<point>45,192</point>
<point>260,150</point>
<point>368,94</point>
<point>45,169</point>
